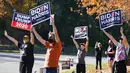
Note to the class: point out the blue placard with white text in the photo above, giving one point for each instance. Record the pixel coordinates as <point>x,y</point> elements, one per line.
<point>40,13</point>
<point>110,19</point>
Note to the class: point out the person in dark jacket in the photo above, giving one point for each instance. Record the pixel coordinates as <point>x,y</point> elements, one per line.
<point>98,54</point>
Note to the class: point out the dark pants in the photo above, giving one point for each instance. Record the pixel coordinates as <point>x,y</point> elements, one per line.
<point>113,67</point>
<point>26,67</point>
<point>99,59</point>
<point>80,68</point>
<point>119,67</point>
<point>50,70</point>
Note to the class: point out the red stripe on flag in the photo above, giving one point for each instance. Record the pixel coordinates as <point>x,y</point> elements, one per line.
<point>21,25</point>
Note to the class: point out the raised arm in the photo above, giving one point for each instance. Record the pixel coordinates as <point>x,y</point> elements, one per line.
<point>124,38</point>
<point>55,31</point>
<point>86,45</point>
<point>31,36</point>
<point>96,45</point>
<point>76,44</point>
<point>110,37</point>
<point>38,36</point>
<point>11,38</point>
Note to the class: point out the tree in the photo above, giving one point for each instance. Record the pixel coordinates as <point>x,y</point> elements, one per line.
<point>7,7</point>
<point>102,6</point>
<point>2,9</point>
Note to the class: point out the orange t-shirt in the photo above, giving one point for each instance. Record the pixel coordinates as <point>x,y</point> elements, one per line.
<point>52,54</point>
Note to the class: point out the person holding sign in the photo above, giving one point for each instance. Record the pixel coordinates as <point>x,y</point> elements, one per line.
<point>54,48</point>
<point>98,54</point>
<point>26,52</point>
<point>82,49</point>
<point>121,48</point>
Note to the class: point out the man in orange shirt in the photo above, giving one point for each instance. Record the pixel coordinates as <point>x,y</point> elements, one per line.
<point>54,48</point>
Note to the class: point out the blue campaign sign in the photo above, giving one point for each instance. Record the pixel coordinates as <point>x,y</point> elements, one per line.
<point>40,13</point>
<point>110,19</point>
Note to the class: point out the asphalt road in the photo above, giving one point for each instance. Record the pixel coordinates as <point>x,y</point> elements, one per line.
<point>9,62</point>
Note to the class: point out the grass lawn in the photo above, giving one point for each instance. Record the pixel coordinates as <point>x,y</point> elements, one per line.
<point>90,69</point>
<point>4,45</point>
<point>10,51</point>
<point>16,51</point>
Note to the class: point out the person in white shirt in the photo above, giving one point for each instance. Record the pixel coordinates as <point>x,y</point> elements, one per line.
<point>120,56</point>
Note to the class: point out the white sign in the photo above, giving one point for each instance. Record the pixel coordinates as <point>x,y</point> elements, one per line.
<point>81,32</point>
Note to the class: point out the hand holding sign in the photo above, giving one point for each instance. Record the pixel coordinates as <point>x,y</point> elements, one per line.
<point>5,33</point>
<point>121,30</point>
<point>72,36</point>
<point>52,19</point>
<point>31,29</point>
<point>87,38</point>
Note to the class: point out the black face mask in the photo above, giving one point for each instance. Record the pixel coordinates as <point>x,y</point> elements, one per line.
<point>51,40</point>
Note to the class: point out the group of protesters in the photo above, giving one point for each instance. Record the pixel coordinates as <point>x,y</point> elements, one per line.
<point>116,57</point>
<point>121,52</point>
<point>117,53</point>
<point>53,46</point>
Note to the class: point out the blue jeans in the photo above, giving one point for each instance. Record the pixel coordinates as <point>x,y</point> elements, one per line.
<point>50,70</point>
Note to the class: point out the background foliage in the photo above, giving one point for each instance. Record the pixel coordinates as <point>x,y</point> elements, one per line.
<point>68,15</point>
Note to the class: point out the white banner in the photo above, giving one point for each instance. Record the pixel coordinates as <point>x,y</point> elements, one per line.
<point>81,32</point>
